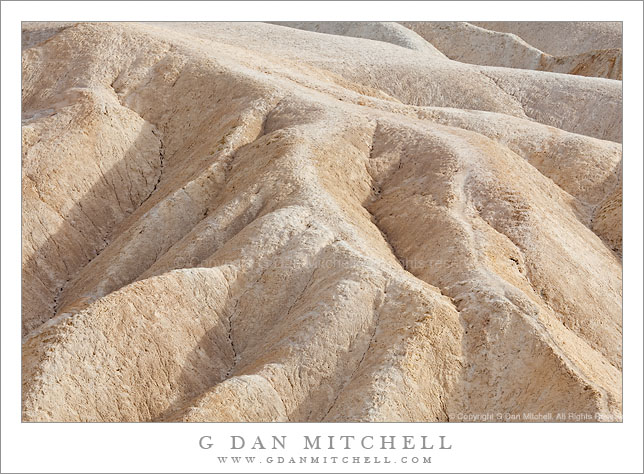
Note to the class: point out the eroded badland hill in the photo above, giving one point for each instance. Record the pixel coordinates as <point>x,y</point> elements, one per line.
<point>320,221</point>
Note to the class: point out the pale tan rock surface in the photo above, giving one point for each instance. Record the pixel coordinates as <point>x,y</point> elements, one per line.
<point>572,48</point>
<point>562,38</point>
<point>256,222</point>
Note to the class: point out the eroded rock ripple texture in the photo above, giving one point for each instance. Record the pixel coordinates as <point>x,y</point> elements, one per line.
<point>320,222</point>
